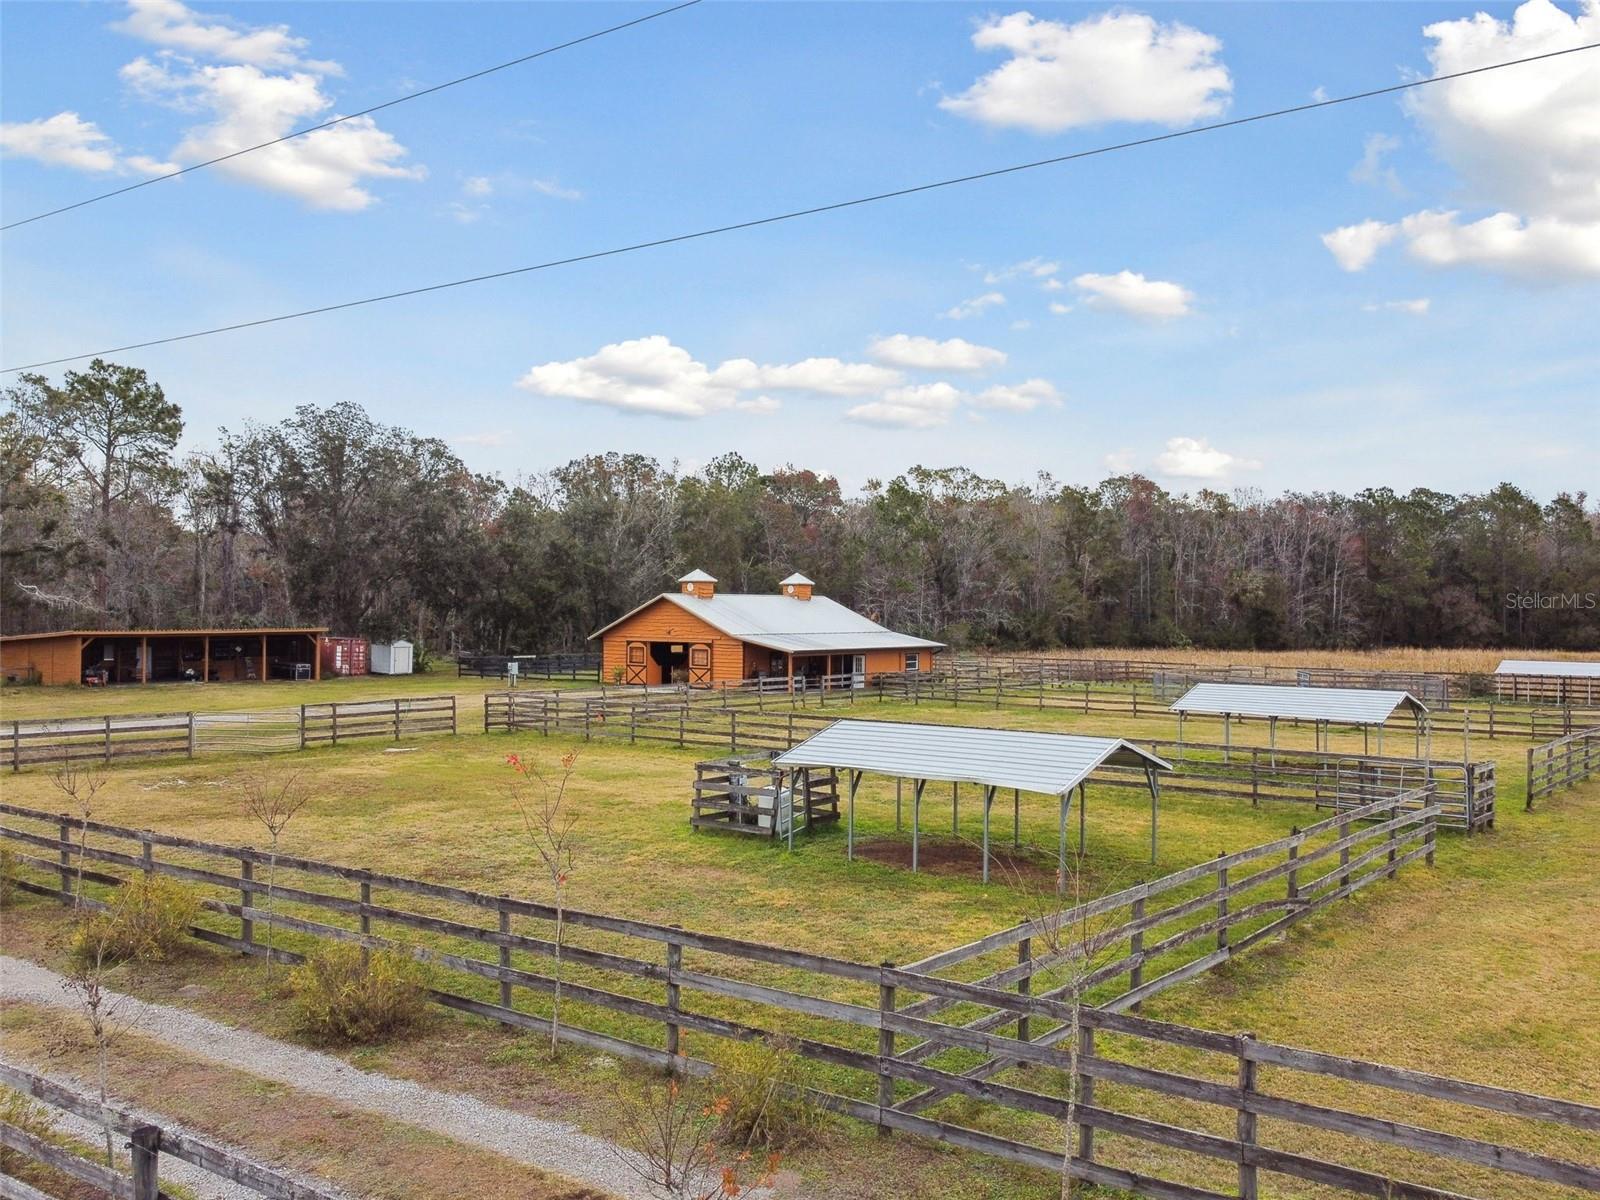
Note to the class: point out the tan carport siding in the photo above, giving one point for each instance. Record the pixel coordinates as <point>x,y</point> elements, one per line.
<point>1322,706</point>
<point>1051,764</point>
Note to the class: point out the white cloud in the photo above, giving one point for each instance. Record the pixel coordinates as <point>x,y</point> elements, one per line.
<point>1130,292</point>
<point>922,406</point>
<point>1053,285</point>
<point>1060,309</point>
<point>1120,462</point>
<point>1415,308</point>
<point>326,169</point>
<point>929,354</point>
<point>1355,246</point>
<point>477,186</point>
<point>1524,142</point>
<point>1019,397</point>
<point>1197,458</point>
<point>67,140</point>
<point>828,376</point>
<point>173,26</point>
<point>1536,248</point>
<point>1033,268</point>
<point>549,187</point>
<point>1117,66</point>
<point>644,375</point>
<point>975,306</point>
<point>1371,168</point>
<point>652,375</point>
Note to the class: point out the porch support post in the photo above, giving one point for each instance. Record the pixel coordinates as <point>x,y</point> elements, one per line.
<point>263,658</point>
<point>205,659</point>
<point>144,660</point>
<point>316,656</point>
<point>791,671</point>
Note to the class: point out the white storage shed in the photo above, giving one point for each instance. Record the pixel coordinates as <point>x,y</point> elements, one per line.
<point>391,658</point>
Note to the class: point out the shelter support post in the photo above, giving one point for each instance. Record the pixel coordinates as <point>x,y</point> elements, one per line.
<point>144,660</point>
<point>1155,806</point>
<point>205,659</point>
<point>916,819</point>
<point>955,809</point>
<point>1061,843</point>
<point>1380,739</point>
<point>263,658</point>
<point>1083,809</point>
<point>1180,732</point>
<point>1016,818</point>
<point>850,819</point>
<point>898,784</point>
<point>1227,737</point>
<point>1272,742</point>
<point>988,802</point>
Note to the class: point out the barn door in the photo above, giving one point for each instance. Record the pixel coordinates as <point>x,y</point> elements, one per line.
<point>637,662</point>
<point>699,666</point>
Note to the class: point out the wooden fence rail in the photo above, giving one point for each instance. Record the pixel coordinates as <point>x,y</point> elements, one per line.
<point>147,1143</point>
<point>1562,763</point>
<point>889,1044</point>
<point>61,740</point>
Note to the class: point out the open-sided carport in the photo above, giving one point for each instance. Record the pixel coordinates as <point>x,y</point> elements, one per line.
<point>1052,764</point>
<point>1367,708</point>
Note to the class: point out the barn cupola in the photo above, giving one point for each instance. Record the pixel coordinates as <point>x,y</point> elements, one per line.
<point>797,586</point>
<point>699,585</point>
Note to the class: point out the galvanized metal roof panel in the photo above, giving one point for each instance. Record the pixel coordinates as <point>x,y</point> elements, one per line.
<point>1051,763</point>
<point>788,625</point>
<point>1359,706</point>
<point>1569,668</point>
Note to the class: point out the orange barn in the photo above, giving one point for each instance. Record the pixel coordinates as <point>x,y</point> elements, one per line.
<point>108,656</point>
<point>698,637</point>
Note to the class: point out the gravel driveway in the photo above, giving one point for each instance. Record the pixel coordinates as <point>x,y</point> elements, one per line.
<point>560,1149</point>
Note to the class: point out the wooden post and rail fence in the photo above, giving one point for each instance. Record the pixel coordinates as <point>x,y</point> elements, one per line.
<point>147,1143</point>
<point>888,1045</point>
<point>1562,763</point>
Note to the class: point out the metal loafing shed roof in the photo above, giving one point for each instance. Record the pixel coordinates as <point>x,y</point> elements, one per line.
<point>1357,706</point>
<point>1571,668</point>
<point>1050,763</point>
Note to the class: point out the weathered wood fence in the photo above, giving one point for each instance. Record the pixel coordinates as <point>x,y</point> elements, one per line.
<point>75,739</point>
<point>146,1143</point>
<point>530,666</point>
<point>887,1044</point>
<point>1562,763</point>
<point>670,718</point>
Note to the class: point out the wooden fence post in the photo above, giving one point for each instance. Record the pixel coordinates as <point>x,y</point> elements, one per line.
<point>1245,1131</point>
<point>16,745</point>
<point>1528,780</point>
<point>886,1004</point>
<point>1429,837</point>
<point>397,718</point>
<point>66,855</point>
<point>1294,873</point>
<point>247,899</point>
<point>1222,906</point>
<point>108,739</point>
<point>505,948</point>
<point>1025,984</point>
<point>145,1143</point>
<point>1085,1087</point>
<point>674,999</point>
<point>191,735</point>
<point>454,727</point>
<point>1136,950</point>
<point>1344,854</point>
<point>147,854</point>
<point>333,714</point>
<point>366,922</point>
<point>302,727</point>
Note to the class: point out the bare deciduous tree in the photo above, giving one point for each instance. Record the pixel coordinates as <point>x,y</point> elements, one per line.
<point>548,822</point>
<point>272,800</point>
<point>80,784</point>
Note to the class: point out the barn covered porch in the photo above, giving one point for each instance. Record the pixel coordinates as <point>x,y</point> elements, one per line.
<point>204,655</point>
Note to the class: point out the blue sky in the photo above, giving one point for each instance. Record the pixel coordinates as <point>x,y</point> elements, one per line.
<point>1287,305</point>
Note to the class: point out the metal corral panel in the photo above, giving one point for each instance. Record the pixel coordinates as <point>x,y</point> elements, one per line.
<point>1358,706</point>
<point>1571,669</point>
<point>1051,763</point>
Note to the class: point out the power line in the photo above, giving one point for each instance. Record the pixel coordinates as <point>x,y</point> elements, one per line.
<point>428,91</point>
<point>804,212</point>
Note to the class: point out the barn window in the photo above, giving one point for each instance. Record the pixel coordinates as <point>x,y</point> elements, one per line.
<point>636,654</point>
<point>699,656</point>
<point>913,661</point>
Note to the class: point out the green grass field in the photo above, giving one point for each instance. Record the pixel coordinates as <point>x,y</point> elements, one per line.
<point>1485,967</point>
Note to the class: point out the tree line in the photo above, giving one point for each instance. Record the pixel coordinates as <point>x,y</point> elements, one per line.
<point>330,517</point>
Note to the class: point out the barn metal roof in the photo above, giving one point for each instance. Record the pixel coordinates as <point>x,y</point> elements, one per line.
<point>1052,763</point>
<point>788,625</point>
<point>1570,668</point>
<point>229,631</point>
<point>1359,706</point>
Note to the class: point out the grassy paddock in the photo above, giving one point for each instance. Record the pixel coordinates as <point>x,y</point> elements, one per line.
<point>1484,968</point>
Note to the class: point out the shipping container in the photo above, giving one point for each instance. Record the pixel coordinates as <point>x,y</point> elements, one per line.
<point>344,656</point>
